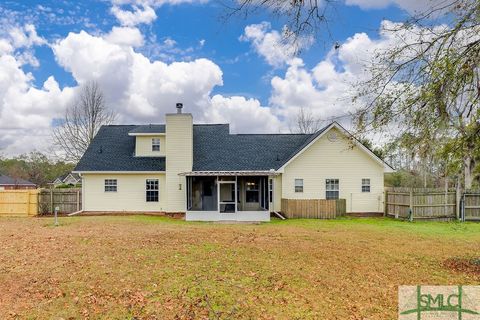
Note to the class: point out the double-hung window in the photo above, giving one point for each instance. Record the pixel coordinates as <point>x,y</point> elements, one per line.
<point>152,190</point>
<point>365,185</point>
<point>155,144</point>
<point>332,188</point>
<point>110,185</point>
<point>298,185</point>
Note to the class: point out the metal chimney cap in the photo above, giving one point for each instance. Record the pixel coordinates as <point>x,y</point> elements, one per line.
<point>179,107</point>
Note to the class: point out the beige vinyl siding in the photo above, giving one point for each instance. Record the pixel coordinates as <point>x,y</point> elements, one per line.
<point>130,195</point>
<point>336,160</point>
<point>277,194</point>
<point>179,158</point>
<point>143,146</point>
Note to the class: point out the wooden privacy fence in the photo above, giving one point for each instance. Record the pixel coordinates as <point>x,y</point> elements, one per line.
<point>67,200</point>
<point>471,206</point>
<point>18,203</point>
<point>421,203</point>
<point>313,208</point>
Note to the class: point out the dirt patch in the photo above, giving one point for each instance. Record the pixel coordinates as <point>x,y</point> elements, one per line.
<point>464,265</point>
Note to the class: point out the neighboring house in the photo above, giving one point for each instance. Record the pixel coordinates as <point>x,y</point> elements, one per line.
<point>9,183</point>
<point>71,178</point>
<point>211,174</point>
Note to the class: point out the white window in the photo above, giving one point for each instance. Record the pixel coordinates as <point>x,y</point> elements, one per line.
<point>332,188</point>
<point>270,189</point>
<point>155,144</point>
<point>152,190</point>
<point>298,185</point>
<point>110,185</point>
<point>365,185</point>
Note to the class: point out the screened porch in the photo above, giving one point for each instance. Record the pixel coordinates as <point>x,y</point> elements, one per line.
<point>229,197</point>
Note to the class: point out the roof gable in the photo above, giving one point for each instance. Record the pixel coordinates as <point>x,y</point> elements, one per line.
<point>357,143</point>
<point>112,149</point>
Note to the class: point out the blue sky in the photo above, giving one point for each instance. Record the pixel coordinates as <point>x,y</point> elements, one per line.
<point>147,54</point>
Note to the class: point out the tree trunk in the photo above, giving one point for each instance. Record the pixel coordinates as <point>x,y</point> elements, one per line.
<point>468,165</point>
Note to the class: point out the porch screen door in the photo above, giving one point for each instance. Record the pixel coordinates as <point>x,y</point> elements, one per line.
<point>227,196</point>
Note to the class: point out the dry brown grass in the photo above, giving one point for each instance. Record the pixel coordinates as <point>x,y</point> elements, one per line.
<point>159,268</point>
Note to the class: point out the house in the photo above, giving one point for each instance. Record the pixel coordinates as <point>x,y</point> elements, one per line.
<point>9,183</point>
<point>209,174</point>
<point>71,179</point>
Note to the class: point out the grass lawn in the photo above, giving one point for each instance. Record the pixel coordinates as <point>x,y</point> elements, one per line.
<point>138,267</point>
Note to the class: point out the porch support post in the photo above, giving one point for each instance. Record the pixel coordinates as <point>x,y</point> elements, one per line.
<point>236,194</point>
<point>218,194</point>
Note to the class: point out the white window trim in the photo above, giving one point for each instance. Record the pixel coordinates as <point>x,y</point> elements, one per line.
<point>155,144</point>
<point>332,190</point>
<point>105,185</point>
<point>270,190</point>
<point>158,189</point>
<point>369,185</point>
<point>295,185</point>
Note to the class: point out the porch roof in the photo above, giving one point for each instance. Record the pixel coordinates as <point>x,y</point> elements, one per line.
<point>229,173</point>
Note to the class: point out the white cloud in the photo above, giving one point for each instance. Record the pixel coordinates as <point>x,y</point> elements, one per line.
<point>411,6</point>
<point>139,89</point>
<point>125,36</point>
<point>244,115</point>
<point>25,37</point>
<point>25,111</point>
<point>270,45</point>
<point>327,88</point>
<point>323,90</point>
<point>141,11</point>
<point>138,15</point>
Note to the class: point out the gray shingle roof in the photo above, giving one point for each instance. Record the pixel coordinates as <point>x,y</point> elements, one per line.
<point>149,128</point>
<point>6,180</point>
<point>214,149</point>
<point>113,149</point>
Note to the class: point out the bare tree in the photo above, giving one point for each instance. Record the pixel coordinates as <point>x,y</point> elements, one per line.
<point>305,122</point>
<point>82,121</point>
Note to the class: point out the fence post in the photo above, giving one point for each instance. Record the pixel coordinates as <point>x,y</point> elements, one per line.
<point>385,203</point>
<point>446,197</point>
<point>458,196</point>
<point>28,202</point>
<point>51,200</point>
<point>411,203</point>
<point>78,200</point>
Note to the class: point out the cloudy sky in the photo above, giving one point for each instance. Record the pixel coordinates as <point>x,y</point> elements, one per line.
<point>149,54</point>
